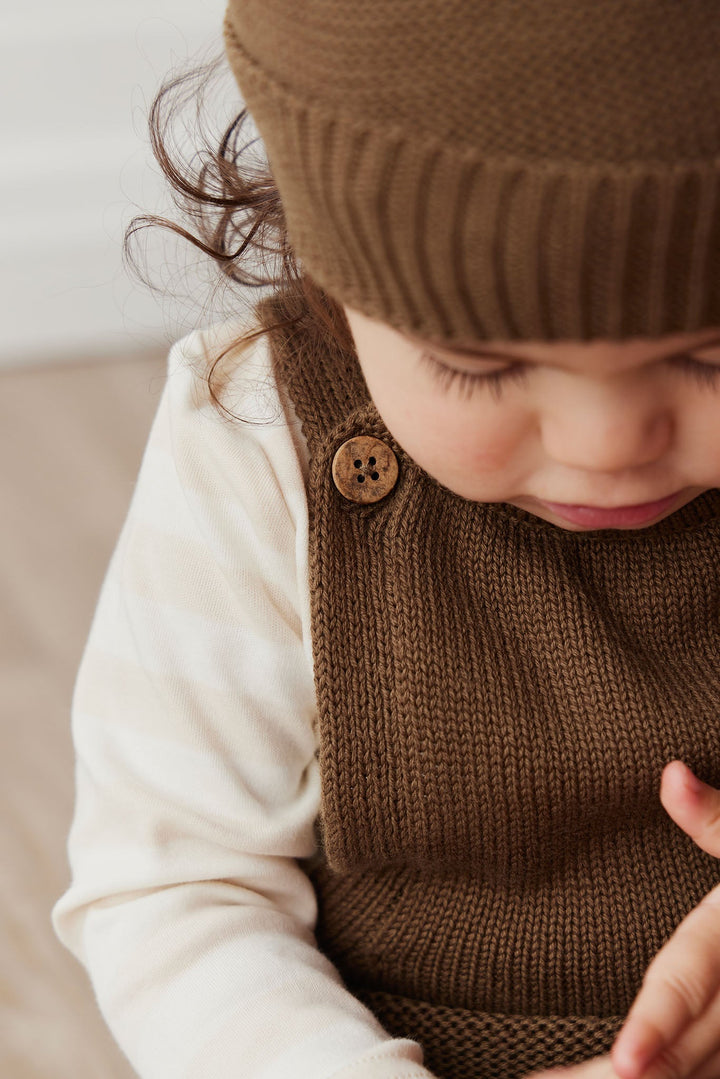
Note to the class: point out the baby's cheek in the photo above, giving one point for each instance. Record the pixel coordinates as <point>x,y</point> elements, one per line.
<point>480,461</point>
<point>475,447</point>
<point>487,444</point>
<point>702,444</point>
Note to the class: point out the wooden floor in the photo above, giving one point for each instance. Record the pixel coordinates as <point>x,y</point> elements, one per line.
<point>71,439</point>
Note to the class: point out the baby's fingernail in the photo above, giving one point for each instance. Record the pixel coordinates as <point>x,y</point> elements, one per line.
<point>693,784</point>
<point>630,1063</point>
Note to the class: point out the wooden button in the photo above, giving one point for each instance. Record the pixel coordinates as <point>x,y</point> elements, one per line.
<point>364,469</point>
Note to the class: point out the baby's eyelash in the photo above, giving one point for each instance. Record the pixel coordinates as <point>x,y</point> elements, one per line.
<point>467,382</point>
<point>707,374</point>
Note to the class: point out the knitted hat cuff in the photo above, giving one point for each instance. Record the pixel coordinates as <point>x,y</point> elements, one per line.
<point>451,245</point>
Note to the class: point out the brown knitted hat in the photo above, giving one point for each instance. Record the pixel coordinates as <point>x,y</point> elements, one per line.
<point>504,169</point>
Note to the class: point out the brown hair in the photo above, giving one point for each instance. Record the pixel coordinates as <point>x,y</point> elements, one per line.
<point>230,200</point>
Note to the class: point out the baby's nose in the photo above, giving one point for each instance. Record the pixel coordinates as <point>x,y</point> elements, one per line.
<point>608,436</point>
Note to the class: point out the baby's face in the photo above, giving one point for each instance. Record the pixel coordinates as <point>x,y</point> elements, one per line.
<point>585,435</point>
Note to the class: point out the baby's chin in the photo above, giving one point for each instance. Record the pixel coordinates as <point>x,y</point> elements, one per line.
<point>578,518</point>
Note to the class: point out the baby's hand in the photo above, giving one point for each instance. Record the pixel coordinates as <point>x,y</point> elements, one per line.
<point>673,1028</point>
<point>596,1068</point>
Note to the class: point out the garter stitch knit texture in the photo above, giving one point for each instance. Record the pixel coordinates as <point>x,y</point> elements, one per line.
<point>504,169</point>
<point>497,698</point>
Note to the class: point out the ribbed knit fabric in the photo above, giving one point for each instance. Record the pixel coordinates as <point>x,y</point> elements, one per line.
<point>509,170</point>
<point>497,698</point>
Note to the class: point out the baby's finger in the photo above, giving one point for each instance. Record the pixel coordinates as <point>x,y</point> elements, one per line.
<point>709,1070</point>
<point>693,805</point>
<point>595,1068</point>
<point>694,1051</point>
<point>679,986</point>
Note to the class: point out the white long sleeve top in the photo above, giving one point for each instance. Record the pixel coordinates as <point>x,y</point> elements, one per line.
<point>197,782</point>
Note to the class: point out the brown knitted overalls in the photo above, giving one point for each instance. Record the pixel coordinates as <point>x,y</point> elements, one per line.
<point>497,698</point>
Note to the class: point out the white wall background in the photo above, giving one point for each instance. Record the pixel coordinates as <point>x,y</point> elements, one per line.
<point>76,82</point>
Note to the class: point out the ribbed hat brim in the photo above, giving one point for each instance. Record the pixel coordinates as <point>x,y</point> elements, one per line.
<point>453,244</point>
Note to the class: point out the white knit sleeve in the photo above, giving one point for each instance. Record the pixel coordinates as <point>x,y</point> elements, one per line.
<point>197,780</point>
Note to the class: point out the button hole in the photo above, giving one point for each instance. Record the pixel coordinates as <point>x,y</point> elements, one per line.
<point>358,464</point>
<point>371,462</point>
<point>375,475</point>
<point>361,479</point>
